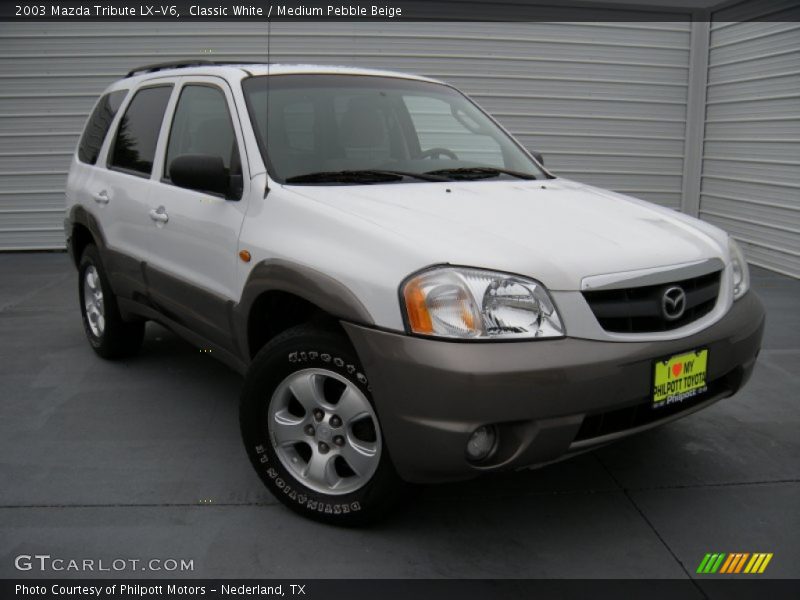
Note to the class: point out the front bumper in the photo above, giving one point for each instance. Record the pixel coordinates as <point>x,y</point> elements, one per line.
<point>548,398</point>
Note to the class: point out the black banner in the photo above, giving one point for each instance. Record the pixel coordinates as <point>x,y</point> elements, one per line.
<point>393,589</point>
<point>395,10</point>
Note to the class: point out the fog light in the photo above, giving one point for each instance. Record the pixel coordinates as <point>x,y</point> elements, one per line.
<point>481,443</point>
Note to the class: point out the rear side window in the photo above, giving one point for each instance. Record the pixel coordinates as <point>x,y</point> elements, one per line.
<point>97,127</point>
<point>135,145</point>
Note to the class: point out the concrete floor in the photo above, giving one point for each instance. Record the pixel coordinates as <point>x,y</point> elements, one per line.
<point>142,459</point>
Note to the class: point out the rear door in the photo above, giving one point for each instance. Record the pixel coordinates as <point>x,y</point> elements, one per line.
<point>192,271</point>
<point>119,189</point>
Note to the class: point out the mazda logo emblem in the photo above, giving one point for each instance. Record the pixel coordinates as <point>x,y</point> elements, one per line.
<point>673,303</point>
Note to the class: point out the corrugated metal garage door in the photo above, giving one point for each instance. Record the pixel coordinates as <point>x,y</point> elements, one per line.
<point>50,76</point>
<point>751,165</point>
<point>605,103</point>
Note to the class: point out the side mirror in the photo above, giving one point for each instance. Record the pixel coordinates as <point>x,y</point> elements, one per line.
<point>538,156</point>
<point>201,172</point>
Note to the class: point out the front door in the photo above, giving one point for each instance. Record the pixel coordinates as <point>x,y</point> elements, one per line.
<point>192,271</point>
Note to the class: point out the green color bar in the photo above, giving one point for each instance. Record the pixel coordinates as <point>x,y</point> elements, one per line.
<point>711,562</point>
<point>703,563</point>
<point>718,563</point>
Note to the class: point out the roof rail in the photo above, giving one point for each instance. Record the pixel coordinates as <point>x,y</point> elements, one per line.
<point>177,64</point>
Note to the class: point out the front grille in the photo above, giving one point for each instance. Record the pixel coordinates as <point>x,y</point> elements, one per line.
<point>638,309</point>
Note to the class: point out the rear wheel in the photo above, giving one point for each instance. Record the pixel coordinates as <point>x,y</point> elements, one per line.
<point>311,430</point>
<point>109,335</point>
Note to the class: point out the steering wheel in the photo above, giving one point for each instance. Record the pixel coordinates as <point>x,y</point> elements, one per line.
<point>437,152</point>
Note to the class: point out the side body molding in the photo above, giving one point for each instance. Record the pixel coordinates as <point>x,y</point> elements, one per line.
<point>314,286</point>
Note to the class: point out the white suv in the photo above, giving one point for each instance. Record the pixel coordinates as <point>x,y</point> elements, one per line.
<point>411,296</point>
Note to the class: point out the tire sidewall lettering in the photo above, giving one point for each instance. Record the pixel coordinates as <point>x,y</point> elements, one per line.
<point>303,500</point>
<point>349,368</point>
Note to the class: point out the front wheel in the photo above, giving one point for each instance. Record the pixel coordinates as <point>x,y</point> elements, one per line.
<point>311,430</point>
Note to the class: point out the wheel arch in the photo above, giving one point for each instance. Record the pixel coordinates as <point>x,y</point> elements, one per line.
<point>280,294</point>
<point>82,231</point>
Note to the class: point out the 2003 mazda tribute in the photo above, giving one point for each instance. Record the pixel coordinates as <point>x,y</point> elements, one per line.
<point>411,295</point>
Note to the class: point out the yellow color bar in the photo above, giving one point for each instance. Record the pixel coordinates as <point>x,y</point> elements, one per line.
<point>765,563</point>
<point>753,564</point>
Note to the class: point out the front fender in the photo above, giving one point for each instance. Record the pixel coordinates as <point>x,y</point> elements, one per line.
<point>314,286</point>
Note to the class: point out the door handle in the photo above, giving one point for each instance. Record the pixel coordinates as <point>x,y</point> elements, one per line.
<point>159,214</point>
<point>101,197</point>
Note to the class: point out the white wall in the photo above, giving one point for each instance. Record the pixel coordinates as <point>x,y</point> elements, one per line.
<point>607,103</point>
<point>751,150</point>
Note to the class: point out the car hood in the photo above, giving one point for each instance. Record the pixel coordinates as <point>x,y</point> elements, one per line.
<point>557,231</point>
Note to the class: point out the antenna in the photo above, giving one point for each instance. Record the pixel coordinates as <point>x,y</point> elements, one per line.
<point>269,69</point>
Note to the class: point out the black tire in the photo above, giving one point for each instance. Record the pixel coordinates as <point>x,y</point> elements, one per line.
<point>118,338</point>
<point>303,347</point>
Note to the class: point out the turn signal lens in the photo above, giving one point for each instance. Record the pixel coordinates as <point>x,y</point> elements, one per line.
<point>739,269</point>
<point>475,304</point>
<point>418,316</point>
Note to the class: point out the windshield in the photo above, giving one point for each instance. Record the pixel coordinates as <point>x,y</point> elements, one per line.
<point>352,129</point>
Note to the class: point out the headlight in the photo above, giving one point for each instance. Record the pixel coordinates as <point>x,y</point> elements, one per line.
<point>467,303</point>
<point>741,273</point>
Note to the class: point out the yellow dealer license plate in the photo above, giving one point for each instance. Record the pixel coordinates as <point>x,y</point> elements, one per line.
<point>680,377</point>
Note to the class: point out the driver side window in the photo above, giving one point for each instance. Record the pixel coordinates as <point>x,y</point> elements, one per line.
<point>202,125</point>
<point>438,127</point>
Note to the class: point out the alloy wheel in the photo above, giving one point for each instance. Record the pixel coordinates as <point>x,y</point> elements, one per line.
<point>93,301</point>
<point>324,431</point>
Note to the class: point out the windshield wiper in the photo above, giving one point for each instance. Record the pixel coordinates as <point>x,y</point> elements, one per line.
<point>422,176</point>
<point>361,176</point>
<point>478,173</point>
<point>345,177</point>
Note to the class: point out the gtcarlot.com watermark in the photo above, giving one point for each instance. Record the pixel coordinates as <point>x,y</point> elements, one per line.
<point>45,563</point>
